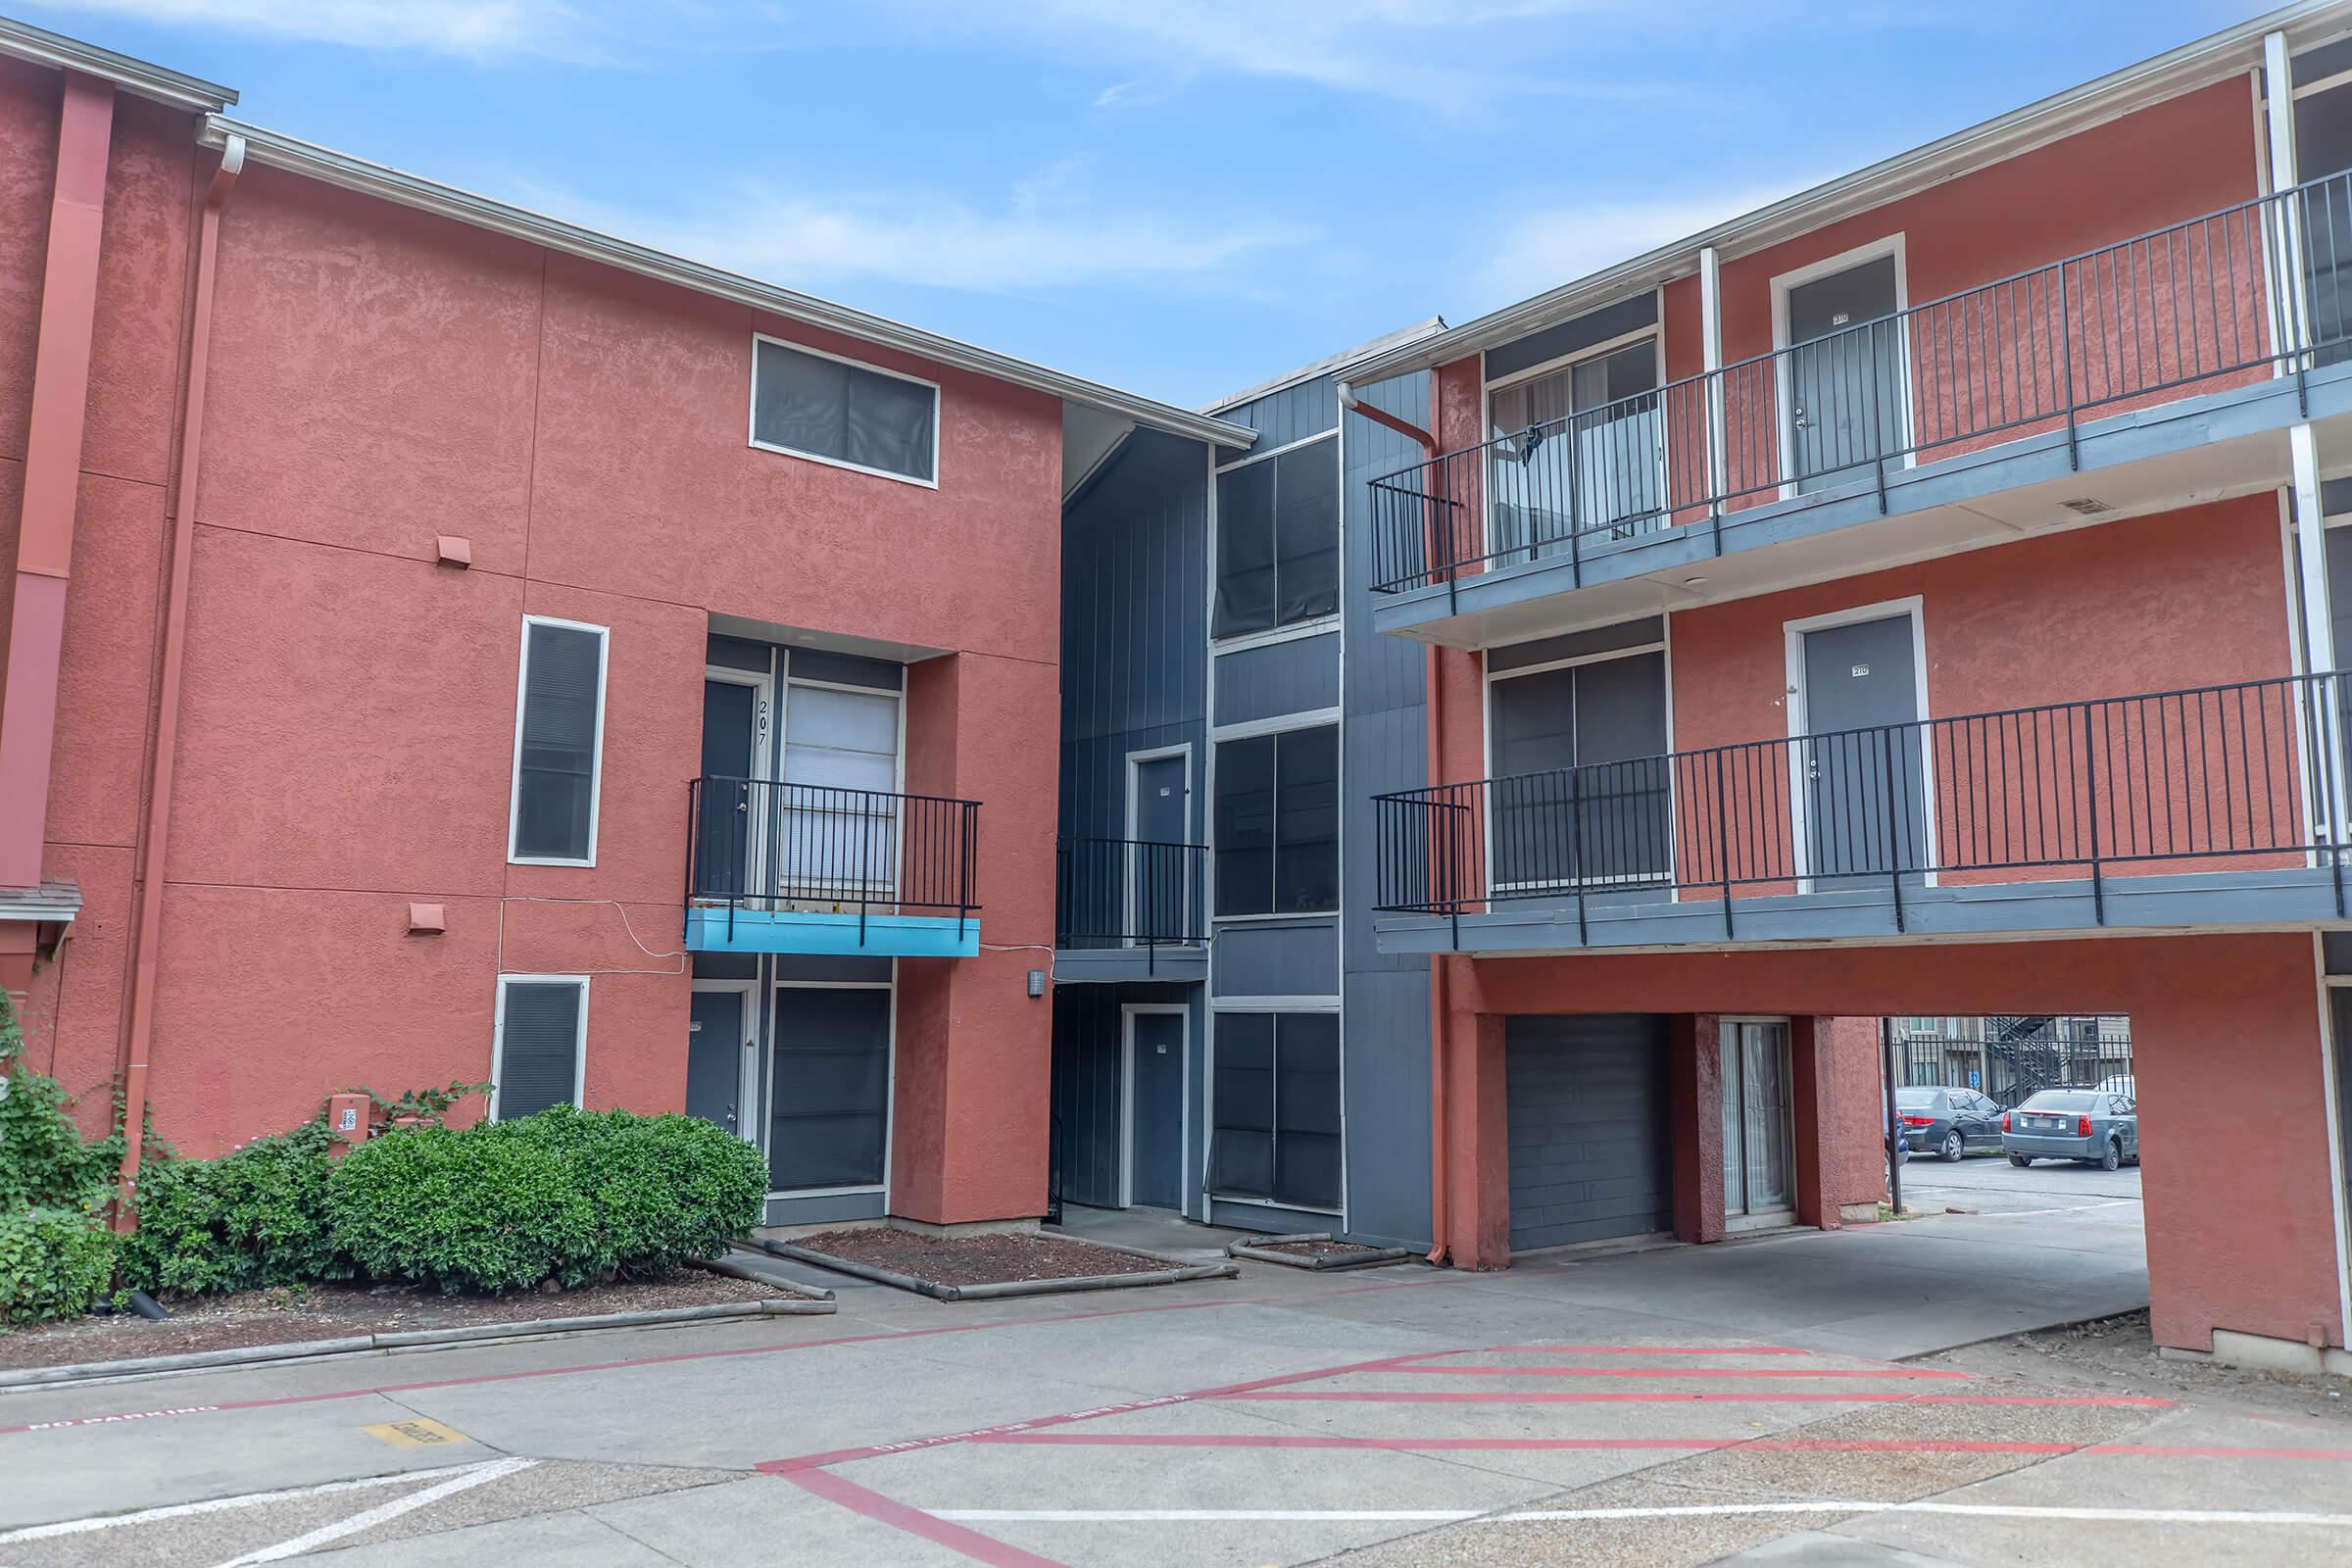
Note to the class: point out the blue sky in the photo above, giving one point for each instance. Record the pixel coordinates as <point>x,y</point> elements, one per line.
<point>1182,197</point>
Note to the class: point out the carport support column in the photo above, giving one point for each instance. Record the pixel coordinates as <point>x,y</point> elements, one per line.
<point>1478,1195</point>
<point>1695,1068</point>
<point>1833,1091</point>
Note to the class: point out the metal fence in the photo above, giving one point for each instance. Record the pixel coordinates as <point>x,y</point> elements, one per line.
<point>2013,1070</point>
<point>2247,292</point>
<point>2248,775</point>
<point>766,844</point>
<point>1130,893</point>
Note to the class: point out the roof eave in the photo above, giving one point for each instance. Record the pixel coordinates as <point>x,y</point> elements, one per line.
<point>2062,113</point>
<point>298,157</point>
<point>24,41</point>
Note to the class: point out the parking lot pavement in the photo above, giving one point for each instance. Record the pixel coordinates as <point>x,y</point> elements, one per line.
<point>1673,1407</point>
<point>1994,1186</point>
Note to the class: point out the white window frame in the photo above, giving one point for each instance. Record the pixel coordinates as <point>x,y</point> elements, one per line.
<point>898,771</point>
<point>1489,675</point>
<point>1127,1016</point>
<point>749,1104</point>
<point>751,419</point>
<point>1655,332</point>
<point>1785,1213</point>
<point>1155,754</point>
<point>1894,245</point>
<point>595,776</point>
<point>498,1036</point>
<point>1248,729</point>
<point>1209,1087</point>
<point>1283,631</point>
<point>1792,633</point>
<point>889,1100</point>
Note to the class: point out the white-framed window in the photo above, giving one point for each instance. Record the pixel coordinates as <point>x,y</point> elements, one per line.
<point>539,1045</point>
<point>558,743</point>
<point>1274,808</point>
<point>830,409</point>
<point>1274,1108</point>
<point>1278,539</point>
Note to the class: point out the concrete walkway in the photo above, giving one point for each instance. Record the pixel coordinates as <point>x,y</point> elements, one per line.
<point>1572,1409</point>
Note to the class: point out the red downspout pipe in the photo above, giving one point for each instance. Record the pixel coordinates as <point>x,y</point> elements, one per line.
<point>150,910</point>
<point>1438,1001</point>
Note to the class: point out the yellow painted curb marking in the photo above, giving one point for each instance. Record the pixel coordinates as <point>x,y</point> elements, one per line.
<point>417,1434</point>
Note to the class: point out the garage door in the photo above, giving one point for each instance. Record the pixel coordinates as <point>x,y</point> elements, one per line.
<point>1590,1152</point>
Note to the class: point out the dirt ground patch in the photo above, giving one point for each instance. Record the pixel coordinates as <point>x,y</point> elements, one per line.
<point>2119,1352</point>
<point>993,1259</point>
<point>1338,1251</point>
<point>287,1314</point>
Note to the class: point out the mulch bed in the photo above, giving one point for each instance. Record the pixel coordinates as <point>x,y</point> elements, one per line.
<point>990,1259</point>
<point>1342,1250</point>
<point>293,1314</point>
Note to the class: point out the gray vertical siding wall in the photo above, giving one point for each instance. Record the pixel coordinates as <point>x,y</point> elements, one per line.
<point>1134,626</point>
<point>1385,745</point>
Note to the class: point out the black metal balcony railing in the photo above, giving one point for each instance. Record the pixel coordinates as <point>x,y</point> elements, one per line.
<point>2247,292</point>
<point>1130,893</point>
<point>2249,775</point>
<point>766,844</point>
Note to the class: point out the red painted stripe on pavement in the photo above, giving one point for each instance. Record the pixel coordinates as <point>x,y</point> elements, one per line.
<point>1644,1349</point>
<point>940,1532</point>
<point>1680,1372</point>
<point>882,1337</point>
<point>1553,1397</point>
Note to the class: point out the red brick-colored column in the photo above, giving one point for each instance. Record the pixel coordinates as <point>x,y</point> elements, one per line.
<point>1478,1163</point>
<point>1834,1080</point>
<point>1695,1067</point>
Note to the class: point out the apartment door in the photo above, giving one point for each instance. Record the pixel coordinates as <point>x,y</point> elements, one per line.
<point>1758,1136</point>
<point>1863,794</point>
<point>1156,1074</point>
<point>1159,868</point>
<point>718,1044</point>
<point>727,828</point>
<point>1845,380</point>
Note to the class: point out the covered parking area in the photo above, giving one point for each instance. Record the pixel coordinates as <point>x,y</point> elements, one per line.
<point>2238,1079</point>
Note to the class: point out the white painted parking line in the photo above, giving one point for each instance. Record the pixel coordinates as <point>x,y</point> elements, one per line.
<point>1980,1510</point>
<point>472,1476</point>
<point>184,1510</point>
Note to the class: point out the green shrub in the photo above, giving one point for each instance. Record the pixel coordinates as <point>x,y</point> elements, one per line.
<point>252,1217</point>
<point>565,1195</point>
<point>43,1160</point>
<point>54,1262</point>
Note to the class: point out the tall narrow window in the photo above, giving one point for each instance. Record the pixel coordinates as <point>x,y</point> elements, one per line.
<point>1276,1108</point>
<point>1277,823</point>
<point>559,733</point>
<point>815,406</point>
<point>1278,541</point>
<point>541,1043</point>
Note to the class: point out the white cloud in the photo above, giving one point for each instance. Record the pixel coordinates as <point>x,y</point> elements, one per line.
<point>469,28</point>
<point>1542,250</point>
<point>809,242</point>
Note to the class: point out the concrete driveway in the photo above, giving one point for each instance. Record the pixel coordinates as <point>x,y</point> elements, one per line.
<point>1667,1406</point>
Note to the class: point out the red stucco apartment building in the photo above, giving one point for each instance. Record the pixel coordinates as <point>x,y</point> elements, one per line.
<point>387,563</point>
<point>1919,596</point>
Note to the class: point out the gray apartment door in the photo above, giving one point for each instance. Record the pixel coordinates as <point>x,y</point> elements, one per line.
<point>1155,1111</point>
<point>1863,795</point>
<point>1758,1137</point>
<point>714,1039</point>
<point>1588,1139</point>
<point>1160,870</point>
<point>723,830</point>
<point>1846,374</point>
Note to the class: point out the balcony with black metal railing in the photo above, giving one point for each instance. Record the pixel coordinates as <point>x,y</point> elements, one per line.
<point>2052,393</point>
<point>1130,910</point>
<point>782,867</point>
<point>2218,806</point>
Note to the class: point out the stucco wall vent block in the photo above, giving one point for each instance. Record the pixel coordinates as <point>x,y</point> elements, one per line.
<point>427,919</point>
<point>456,549</point>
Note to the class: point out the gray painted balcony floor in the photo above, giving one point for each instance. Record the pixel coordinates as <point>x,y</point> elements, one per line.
<point>2289,899</point>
